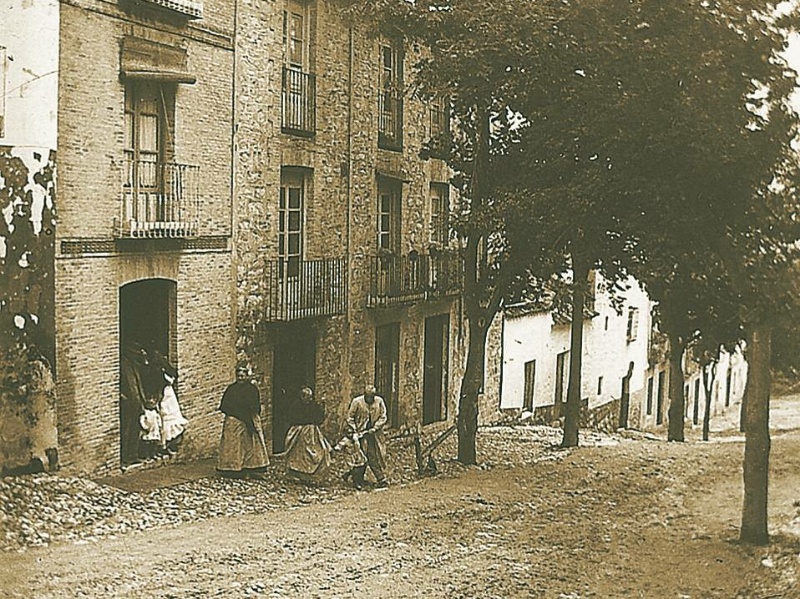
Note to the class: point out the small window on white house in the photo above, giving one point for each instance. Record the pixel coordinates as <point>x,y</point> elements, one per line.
<point>633,324</point>
<point>600,385</point>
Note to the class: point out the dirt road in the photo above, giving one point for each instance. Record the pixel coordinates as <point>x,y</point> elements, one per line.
<point>627,518</point>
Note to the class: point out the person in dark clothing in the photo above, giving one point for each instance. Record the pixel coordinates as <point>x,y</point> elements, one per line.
<point>307,450</point>
<point>131,401</point>
<point>242,451</point>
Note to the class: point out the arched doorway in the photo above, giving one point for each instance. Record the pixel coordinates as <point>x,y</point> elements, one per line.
<point>146,322</point>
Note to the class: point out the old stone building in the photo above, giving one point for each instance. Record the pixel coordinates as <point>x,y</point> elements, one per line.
<point>343,269</point>
<point>242,181</point>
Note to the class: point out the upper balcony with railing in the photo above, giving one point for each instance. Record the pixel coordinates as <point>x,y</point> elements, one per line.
<point>414,277</point>
<point>159,200</point>
<point>298,102</point>
<point>297,289</point>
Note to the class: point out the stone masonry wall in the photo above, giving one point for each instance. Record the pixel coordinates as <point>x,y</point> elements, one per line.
<point>342,159</point>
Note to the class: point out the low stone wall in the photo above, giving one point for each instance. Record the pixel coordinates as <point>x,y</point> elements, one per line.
<point>603,418</point>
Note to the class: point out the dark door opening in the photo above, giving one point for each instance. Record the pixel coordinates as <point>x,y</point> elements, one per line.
<point>434,379</point>
<point>387,368</point>
<point>529,391</point>
<point>562,380</point>
<point>660,399</point>
<point>293,367</point>
<point>146,322</point>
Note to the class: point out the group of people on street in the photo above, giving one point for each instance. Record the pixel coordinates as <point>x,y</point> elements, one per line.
<point>151,420</point>
<point>243,451</point>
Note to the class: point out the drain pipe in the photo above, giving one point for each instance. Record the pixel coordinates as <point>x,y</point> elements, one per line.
<point>349,216</point>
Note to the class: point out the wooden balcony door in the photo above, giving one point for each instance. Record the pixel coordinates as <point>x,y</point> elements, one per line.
<point>290,223</point>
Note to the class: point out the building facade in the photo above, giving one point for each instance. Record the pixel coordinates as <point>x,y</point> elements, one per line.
<point>529,356</point>
<point>240,181</point>
<point>144,196</point>
<point>344,270</point>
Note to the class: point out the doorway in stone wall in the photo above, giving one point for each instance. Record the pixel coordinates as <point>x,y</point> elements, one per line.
<point>387,369</point>
<point>147,323</point>
<point>434,380</point>
<point>293,367</point>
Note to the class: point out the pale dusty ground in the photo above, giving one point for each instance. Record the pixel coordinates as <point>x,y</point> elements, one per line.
<point>624,518</point>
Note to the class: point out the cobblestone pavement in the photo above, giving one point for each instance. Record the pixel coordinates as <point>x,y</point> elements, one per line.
<point>623,516</point>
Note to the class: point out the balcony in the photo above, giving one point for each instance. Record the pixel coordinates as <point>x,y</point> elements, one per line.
<point>390,121</point>
<point>298,103</point>
<point>187,8</point>
<point>396,280</point>
<point>298,289</point>
<point>159,200</point>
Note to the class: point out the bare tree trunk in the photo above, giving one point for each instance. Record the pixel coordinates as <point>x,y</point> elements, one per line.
<point>572,414</point>
<point>709,374</point>
<point>757,441</point>
<point>677,401</point>
<point>467,420</point>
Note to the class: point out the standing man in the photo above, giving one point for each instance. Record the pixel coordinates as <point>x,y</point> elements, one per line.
<point>366,418</point>
<point>242,451</point>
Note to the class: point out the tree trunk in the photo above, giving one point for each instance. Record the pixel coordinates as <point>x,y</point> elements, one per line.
<point>757,441</point>
<point>572,414</point>
<point>708,383</point>
<point>677,401</point>
<point>467,420</point>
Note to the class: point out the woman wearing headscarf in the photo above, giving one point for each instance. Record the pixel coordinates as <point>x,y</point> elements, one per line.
<point>242,451</point>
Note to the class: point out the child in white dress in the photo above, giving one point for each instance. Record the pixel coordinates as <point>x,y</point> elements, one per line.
<point>172,421</point>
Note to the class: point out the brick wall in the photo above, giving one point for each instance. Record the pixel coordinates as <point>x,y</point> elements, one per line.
<point>91,133</point>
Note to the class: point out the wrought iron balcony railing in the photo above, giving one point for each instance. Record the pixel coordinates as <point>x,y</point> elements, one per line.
<point>413,278</point>
<point>298,102</point>
<point>299,289</point>
<point>159,200</point>
<point>390,121</point>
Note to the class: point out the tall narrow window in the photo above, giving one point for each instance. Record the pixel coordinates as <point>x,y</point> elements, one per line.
<point>528,396</point>
<point>390,99</point>
<point>295,36</point>
<point>149,110</point>
<point>440,126</point>
<point>389,216</point>
<point>649,396</point>
<point>660,398</point>
<point>633,324</point>
<point>299,84</point>
<point>290,221</point>
<point>439,213</point>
